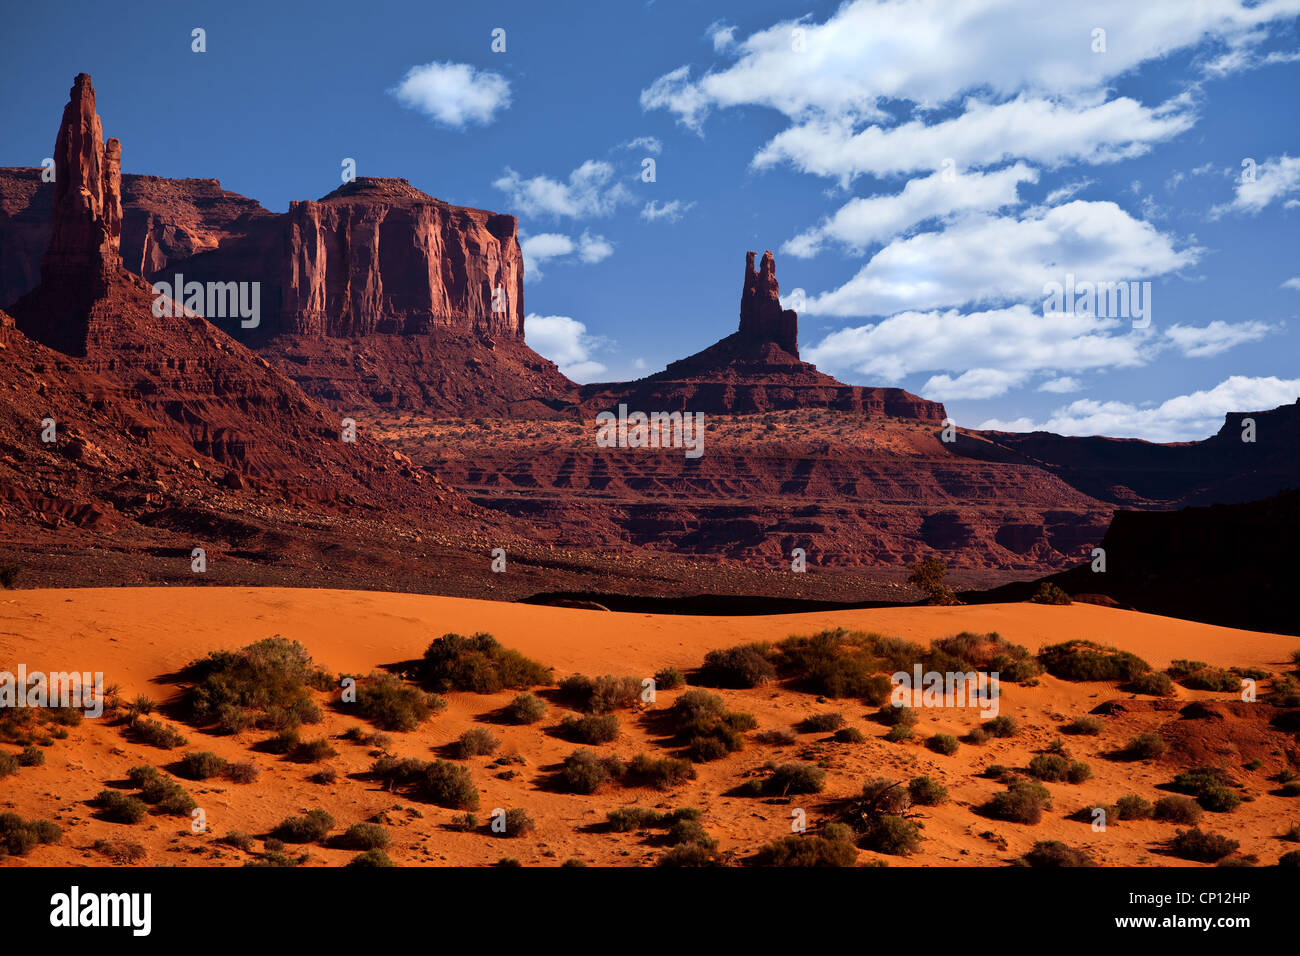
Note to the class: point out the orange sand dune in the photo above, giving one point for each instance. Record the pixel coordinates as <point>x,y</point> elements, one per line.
<point>137,636</point>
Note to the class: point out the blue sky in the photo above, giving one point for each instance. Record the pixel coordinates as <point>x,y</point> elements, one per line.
<point>921,176</point>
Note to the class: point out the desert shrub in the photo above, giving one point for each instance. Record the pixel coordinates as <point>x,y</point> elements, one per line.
<point>238,839</point>
<point>850,735</point>
<point>1085,726</point>
<point>806,850</point>
<point>586,772</point>
<point>776,738</point>
<point>690,855</point>
<point>393,704</point>
<point>590,729</point>
<point>703,723</point>
<point>1049,593</point>
<point>687,830</point>
<point>744,666</point>
<point>1089,661</point>
<point>1057,767</point>
<point>516,823</point>
<point>899,733</point>
<point>1133,807</point>
<point>448,785</point>
<point>1211,788</point>
<point>1002,726</point>
<point>526,708</point>
<point>945,744</point>
<point>1050,853</point>
<point>9,575</point>
<point>122,807</point>
<point>158,734</point>
<point>325,776</point>
<point>1049,767</point>
<point>926,791</point>
<point>364,836</point>
<point>464,822</point>
<point>233,719</point>
<point>1193,844</point>
<point>283,742</point>
<point>968,651</point>
<point>839,663</point>
<point>1290,789</point>
<point>121,852</point>
<point>892,716</point>
<point>627,819</point>
<point>1022,802</point>
<point>669,678</point>
<point>1199,675</point>
<point>600,695</point>
<point>31,757</point>
<point>821,723</point>
<point>304,710</point>
<point>311,827</point>
<point>1154,683</point>
<point>1177,810</point>
<point>789,778</point>
<point>662,773</point>
<point>479,664</point>
<point>572,862</point>
<point>18,837</point>
<point>1144,747</point>
<point>162,791</point>
<point>476,742</point>
<point>893,835</point>
<point>201,766</point>
<point>1289,859</point>
<point>312,751</point>
<point>271,678</point>
<point>977,735</point>
<point>241,771</point>
<point>371,858</point>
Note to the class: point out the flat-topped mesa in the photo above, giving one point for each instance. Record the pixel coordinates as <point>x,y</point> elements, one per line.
<point>85,224</point>
<point>378,255</point>
<point>761,317</point>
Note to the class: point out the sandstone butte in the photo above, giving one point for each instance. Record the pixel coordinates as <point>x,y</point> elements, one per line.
<point>142,401</point>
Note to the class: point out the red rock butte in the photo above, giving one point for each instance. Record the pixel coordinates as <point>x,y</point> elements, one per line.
<point>755,369</point>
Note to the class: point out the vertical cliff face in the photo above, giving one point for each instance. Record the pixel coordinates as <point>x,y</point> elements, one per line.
<point>86,214</point>
<point>761,317</point>
<point>85,227</point>
<point>379,256</point>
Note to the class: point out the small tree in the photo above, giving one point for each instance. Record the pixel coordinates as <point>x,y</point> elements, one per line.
<point>927,574</point>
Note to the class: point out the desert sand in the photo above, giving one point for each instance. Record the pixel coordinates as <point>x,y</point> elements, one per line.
<point>139,636</point>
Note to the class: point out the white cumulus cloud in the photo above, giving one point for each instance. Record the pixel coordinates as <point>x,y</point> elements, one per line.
<point>566,342</point>
<point>863,221</point>
<point>591,190</point>
<point>1187,417</point>
<point>454,94</point>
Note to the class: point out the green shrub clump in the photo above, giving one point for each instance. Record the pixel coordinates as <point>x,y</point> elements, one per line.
<point>1089,661</point>
<point>479,664</point>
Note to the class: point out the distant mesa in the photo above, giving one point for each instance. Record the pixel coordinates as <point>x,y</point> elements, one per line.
<point>756,369</point>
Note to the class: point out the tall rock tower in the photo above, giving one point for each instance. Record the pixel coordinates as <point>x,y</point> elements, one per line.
<point>85,227</point>
<point>761,317</point>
